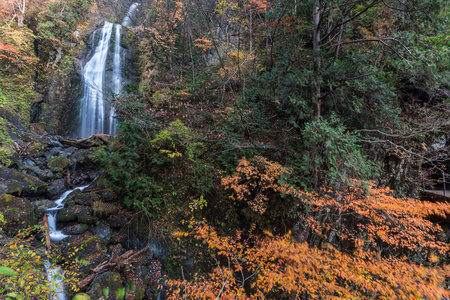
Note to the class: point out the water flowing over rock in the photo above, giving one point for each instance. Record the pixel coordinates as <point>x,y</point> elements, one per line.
<point>99,87</point>
<point>93,112</point>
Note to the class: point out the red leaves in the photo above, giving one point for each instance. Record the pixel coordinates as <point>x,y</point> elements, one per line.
<point>9,49</point>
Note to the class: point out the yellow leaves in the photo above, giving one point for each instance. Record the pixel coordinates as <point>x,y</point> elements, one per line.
<point>180,234</point>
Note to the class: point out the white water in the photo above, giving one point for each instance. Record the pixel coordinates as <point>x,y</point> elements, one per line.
<point>57,235</point>
<point>93,112</point>
<point>55,277</point>
<point>128,20</point>
<point>95,115</point>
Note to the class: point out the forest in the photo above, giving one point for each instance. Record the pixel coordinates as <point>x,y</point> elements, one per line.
<point>262,149</point>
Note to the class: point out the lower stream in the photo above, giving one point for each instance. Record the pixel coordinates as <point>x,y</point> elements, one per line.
<point>55,275</point>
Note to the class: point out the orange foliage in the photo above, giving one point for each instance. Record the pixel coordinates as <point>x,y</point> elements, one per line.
<point>253,182</point>
<point>9,49</point>
<point>379,219</point>
<point>280,268</point>
<point>204,44</point>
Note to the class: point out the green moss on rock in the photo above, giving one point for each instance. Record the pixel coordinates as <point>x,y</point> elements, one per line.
<point>57,164</point>
<point>19,213</point>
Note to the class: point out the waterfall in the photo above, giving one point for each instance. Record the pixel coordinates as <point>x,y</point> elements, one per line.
<point>128,20</point>
<point>92,113</point>
<point>57,235</point>
<point>96,116</point>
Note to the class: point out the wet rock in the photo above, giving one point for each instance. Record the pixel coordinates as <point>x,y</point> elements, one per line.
<point>18,213</point>
<point>108,196</point>
<point>68,152</point>
<point>11,187</point>
<point>104,210</point>
<point>117,221</point>
<point>18,183</point>
<point>56,151</point>
<point>80,210</point>
<point>44,175</point>
<point>75,229</point>
<point>58,164</point>
<point>66,215</point>
<point>84,158</point>
<point>87,219</point>
<point>43,205</point>
<point>56,188</point>
<point>110,281</point>
<point>102,230</point>
<point>86,199</point>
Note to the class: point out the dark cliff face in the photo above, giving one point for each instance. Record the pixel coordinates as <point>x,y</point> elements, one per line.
<point>63,91</point>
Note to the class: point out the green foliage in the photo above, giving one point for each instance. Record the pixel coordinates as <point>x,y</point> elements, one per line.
<point>332,156</point>
<point>22,275</point>
<point>6,144</point>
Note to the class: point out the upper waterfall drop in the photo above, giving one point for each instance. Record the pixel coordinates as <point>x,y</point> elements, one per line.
<point>96,114</point>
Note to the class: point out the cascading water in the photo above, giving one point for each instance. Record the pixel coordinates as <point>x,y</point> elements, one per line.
<point>55,275</point>
<point>57,235</point>
<point>93,111</point>
<point>95,115</point>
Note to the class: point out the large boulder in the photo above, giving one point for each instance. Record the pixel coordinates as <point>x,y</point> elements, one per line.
<point>87,219</point>
<point>66,215</point>
<point>56,188</point>
<point>44,175</point>
<point>18,183</point>
<point>86,199</point>
<point>19,213</point>
<point>58,164</point>
<point>75,229</point>
<point>43,205</point>
<point>104,210</point>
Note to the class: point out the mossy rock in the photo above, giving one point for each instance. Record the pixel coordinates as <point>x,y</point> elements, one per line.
<point>43,205</point>
<point>86,199</point>
<point>58,164</point>
<point>110,284</point>
<point>81,296</point>
<point>19,213</point>
<point>56,188</point>
<point>87,219</point>
<point>18,183</point>
<point>13,187</point>
<point>76,229</point>
<point>66,215</point>
<point>44,175</point>
<point>104,210</point>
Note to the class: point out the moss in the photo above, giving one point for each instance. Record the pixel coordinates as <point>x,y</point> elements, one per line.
<point>18,213</point>
<point>58,164</point>
<point>104,210</point>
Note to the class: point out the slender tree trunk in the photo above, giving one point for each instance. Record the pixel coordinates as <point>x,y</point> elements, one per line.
<point>316,102</point>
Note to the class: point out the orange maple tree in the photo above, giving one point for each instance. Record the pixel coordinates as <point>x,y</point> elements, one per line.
<point>280,268</point>
<point>375,219</point>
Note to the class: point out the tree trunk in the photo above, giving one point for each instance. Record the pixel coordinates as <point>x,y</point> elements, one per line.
<point>316,102</point>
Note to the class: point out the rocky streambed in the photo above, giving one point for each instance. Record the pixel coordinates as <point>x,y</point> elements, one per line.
<point>115,254</point>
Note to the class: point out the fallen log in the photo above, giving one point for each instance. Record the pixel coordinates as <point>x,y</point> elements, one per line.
<point>94,140</point>
<point>47,233</point>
